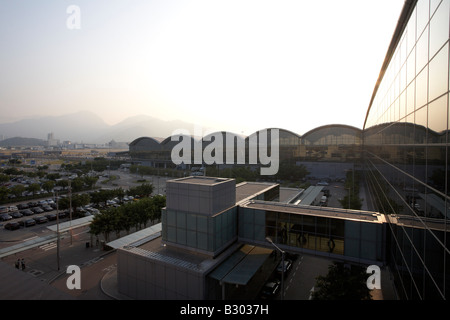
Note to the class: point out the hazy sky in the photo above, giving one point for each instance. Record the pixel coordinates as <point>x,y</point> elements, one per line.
<point>237,65</point>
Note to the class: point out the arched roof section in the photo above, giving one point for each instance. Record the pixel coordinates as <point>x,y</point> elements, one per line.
<point>207,138</point>
<point>333,134</point>
<point>286,137</point>
<point>145,144</point>
<point>168,143</point>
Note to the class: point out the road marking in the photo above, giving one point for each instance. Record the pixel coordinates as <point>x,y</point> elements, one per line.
<point>48,246</point>
<point>30,238</point>
<point>35,272</point>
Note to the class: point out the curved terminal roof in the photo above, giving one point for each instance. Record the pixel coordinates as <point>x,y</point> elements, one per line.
<point>333,134</point>
<point>145,142</point>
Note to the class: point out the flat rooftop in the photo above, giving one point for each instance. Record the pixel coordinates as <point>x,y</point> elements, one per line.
<point>247,190</point>
<point>200,180</point>
<point>327,212</point>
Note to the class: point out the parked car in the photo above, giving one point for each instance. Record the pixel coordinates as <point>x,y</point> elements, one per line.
<point>287,266</point>
<point>5,217</point>
<point>32,204</point>
<point>47,208</point>
<point>40,219</point>
<point>12,226</point>
<point>16,214</point>
<point>51,216</point>
<point>4,210</point>
<point>63,214</point>
<point>270,289</point>
<point>27,212</point>
<point>27,222</point>
<point>22,206</point>
<point>37,210</point>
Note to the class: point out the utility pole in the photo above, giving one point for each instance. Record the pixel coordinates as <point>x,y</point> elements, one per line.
<point>70,210</point>
<point>268,239</point>
<point>57,231</point>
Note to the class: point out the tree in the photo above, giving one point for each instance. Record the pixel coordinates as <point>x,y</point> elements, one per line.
<point>62,183</point>
<point>34,187</point>
<point>17,190</point>
<point>159,202</point>
<point>77,184</point>
<point>78,200</point>
<point>48,185</point>
<point>90,181</point>
<point>53,176</point>
<point>4,193</point>
<point>3,178</point>
<point>342,283</point>
<point>144,190</point>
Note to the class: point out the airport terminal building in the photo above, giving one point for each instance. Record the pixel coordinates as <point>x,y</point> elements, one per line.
<point>213,231</point>
<point>212,243</point>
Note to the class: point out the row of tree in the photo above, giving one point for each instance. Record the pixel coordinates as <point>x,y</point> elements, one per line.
<point>131,215</point>
<point>100,197</point>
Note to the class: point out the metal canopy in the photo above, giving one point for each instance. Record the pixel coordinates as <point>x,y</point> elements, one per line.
<point>68,225</point>
<point>138,237</point>
<point>242,265</point>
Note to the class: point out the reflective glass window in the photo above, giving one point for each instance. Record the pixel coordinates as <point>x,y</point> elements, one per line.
<point>181,219</point>
<point>410,99</point>
<point>191,222</point>
<point>423,15</point>
<point>402,111</point>
<point>437,115</point>
<point>202,224</point>
<point>422,51</point>
<point>421,89</point>
<point>438,75</point>
<point>439,27</point>
<point>421,120</point>
<point>402,77</point>
<point>411,67</point>
<point>433,5</point>
<point>411,33</point>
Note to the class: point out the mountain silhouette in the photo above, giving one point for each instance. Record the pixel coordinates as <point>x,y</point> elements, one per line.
<point>87,127</point>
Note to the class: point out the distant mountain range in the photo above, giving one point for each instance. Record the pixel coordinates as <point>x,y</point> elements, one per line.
<point>23,142</point>
<point>87,127</point>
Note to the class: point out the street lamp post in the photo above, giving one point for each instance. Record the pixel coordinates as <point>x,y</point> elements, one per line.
<point>282,265</point>
<point>57,232</point>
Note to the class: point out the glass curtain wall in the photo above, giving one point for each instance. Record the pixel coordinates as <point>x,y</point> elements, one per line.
<point>406,147</point>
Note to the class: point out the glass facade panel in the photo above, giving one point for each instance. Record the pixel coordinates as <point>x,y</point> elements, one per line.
<point>438,79</point>
<point>411,98</point>
<point>423,14</point>
<point>421,88</point>
<point>407,170</point>
<point>439,26</point>
<point>422,51</point>
<point>437,118</point>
